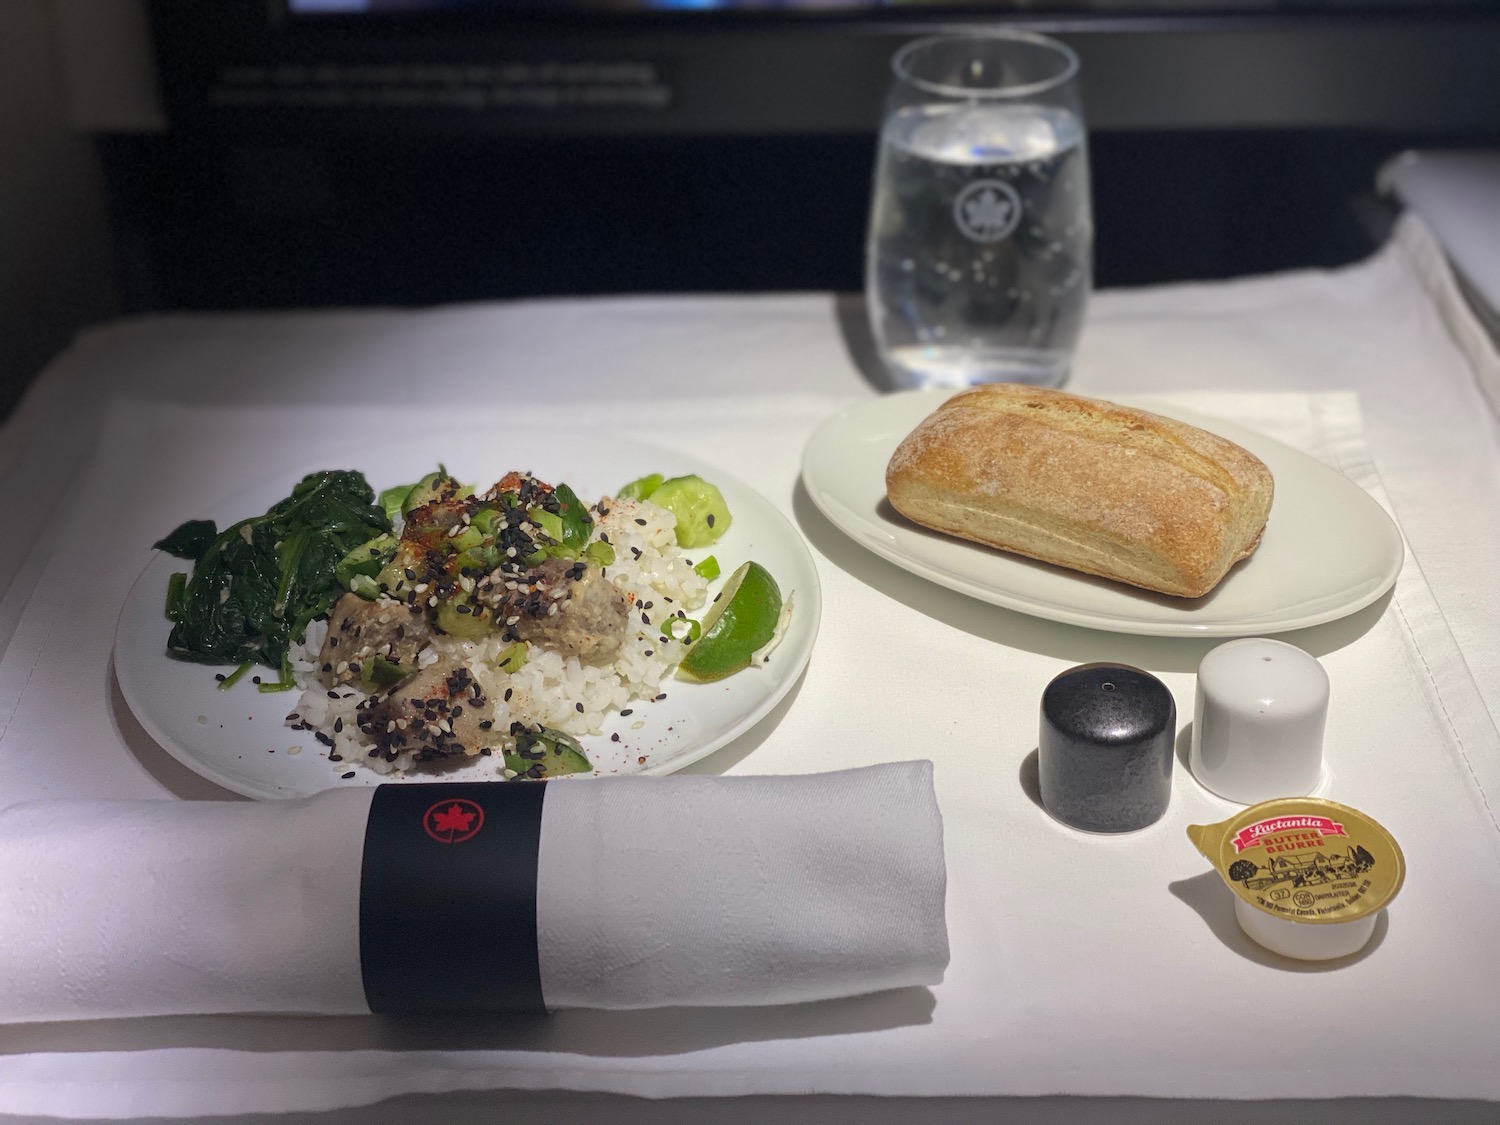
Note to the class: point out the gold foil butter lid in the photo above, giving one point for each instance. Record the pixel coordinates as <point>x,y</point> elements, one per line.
<point>1305,859</point>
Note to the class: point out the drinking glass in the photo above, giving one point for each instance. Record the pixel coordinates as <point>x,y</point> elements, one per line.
<point>980,254</point>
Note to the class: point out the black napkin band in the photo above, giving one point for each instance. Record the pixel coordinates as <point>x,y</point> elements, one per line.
<point>447,898</point>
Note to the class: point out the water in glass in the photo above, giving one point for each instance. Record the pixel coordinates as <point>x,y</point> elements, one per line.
<point>981,241</point>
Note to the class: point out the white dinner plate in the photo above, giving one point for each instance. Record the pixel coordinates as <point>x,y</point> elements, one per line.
<point>239,739</point>
<point>1328,549</point>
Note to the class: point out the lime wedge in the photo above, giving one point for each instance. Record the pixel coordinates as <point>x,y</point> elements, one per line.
<point>743,619</point>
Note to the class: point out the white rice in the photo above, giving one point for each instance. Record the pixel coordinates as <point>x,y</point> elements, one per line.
<point>656,578</point>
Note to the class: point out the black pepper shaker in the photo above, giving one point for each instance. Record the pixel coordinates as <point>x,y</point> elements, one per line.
<point>1104,756</point>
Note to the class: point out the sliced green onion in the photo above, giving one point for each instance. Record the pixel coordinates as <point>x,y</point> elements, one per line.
<point>393,499</point>
<point>467,539</point>
<point>708,568</point>
<point>550,523</point>
<point>380,673</point>
<point>365,586</point>
<point>485,520</point>
<point>691,630</point>
<point>601,552</point>
<point>642,488</point>
<point>513,659</point>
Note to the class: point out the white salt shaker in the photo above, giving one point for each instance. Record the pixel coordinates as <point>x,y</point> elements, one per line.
<point>1258,719</point>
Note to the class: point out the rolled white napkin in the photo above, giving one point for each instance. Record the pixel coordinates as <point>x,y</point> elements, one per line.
<point>649,892</point>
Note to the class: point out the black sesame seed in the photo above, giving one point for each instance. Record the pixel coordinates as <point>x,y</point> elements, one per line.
<point>710,519</point>
<point>578,707</point>
<point>641,522</point>
<point>627,711</point>
<point>615,737</point>
<point>347,776</point>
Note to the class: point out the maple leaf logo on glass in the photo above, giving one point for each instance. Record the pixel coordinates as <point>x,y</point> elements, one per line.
<point>987,210</point>
<point>453,821</point>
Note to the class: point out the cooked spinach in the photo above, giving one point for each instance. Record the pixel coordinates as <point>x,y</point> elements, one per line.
<point>577,524</point>
<point>258,584</point>
<point>190,541</point>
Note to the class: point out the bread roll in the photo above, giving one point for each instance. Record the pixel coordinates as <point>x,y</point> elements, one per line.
<point>1084,484</point>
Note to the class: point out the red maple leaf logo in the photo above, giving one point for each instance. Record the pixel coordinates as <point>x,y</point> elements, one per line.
<point>454,821</point>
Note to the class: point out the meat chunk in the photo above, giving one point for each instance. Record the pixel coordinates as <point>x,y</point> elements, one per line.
<point>360,630</point>
<point>569,606</point>
<point>441,712</point>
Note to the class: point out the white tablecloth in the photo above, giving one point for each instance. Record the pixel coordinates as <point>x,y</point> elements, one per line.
<point>1083,968</point>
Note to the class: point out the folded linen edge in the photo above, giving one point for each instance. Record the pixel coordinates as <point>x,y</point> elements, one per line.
<point>612,893</point>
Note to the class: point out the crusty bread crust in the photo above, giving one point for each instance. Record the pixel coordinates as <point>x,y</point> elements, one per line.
<point>1084,484</point>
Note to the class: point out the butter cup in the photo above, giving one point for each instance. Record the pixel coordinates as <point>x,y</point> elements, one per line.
<point>1310,877</point>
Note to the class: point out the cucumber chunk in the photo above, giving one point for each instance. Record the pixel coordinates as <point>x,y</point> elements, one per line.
<point>544,753</point>
<point>702,515</point>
